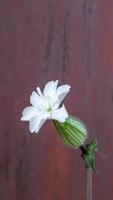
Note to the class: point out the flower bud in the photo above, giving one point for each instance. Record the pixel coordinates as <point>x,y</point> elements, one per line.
<point>72,132</point>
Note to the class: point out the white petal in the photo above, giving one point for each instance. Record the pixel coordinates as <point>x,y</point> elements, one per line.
<point>50,88</point>
<point>40,125</point>
<point>36,123</point>
<point>35,99</point>
<point>56,83</point>
<point>62,91</point>
<point>39,91</point>
<point>38,101</point>
<point>60,114</point>
<point>28,113</point>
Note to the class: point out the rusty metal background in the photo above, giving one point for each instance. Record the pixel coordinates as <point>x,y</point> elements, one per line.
<point>69,40</point>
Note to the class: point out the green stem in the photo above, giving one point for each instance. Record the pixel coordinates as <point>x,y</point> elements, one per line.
<point>89,183</point>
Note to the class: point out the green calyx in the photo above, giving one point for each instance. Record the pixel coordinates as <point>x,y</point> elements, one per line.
<point>72,132</point>
<point>88,153</point>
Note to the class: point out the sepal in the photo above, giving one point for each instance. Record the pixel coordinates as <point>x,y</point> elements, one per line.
<point>72,132</point>
<point>88,153</point>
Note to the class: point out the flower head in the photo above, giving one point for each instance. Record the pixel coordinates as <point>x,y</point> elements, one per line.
<point>45,105</point>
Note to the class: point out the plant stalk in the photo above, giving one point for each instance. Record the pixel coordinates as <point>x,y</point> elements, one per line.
<point>89,183</point>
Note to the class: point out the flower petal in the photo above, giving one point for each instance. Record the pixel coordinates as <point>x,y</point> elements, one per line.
<point>56,83</point>
<point>34,99</point>
<point>39,91</point>
<point>36,123</point>
<point>60,114</point>
<point>40,125</point>
<point>50,88</point>
<point>28,113</point>
<point>38,101</point>
<point>62,91</point>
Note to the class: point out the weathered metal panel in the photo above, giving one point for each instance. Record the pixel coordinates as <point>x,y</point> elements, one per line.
<point>69,40</point>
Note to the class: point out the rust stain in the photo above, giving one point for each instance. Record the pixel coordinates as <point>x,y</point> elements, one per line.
<point>87,34</point>
<point>49,36</point>
<point>66,39</point>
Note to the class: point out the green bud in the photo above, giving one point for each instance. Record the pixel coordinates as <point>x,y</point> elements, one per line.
<point>72,132</point>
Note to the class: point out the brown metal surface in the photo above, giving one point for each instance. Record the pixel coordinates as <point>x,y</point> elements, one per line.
<point>69,40</point>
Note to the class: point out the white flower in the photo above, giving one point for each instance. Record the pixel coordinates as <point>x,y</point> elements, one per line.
<point>46,105</point>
